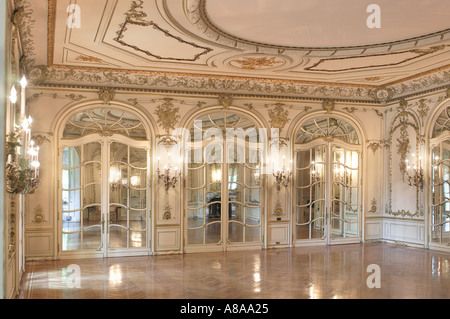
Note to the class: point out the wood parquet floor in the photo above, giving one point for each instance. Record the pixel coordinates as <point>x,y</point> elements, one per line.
<point>297,273</point>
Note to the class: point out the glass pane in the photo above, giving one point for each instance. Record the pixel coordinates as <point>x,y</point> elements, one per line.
<point>252,216</point>
<point>71,222</point>
<point>195,178</point>
<point>118,237</point>
<point>195,236</point>
<point>235,232</point>
<point>92,216</point>
<point>213,233</point>
<point>196,218</point>
<point>252,197</point>
<point>138,219</point>
<point>137,199</point>
<point>71,200</point>
<point>71,242</point>
<point>92,238</point>
<point>137,239</point>
<point>252,234</point>
<point>138,157</point>
<point>195,198</point>
<point>92,194</point>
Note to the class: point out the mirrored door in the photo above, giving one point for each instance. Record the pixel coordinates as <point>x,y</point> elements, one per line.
<point>440,194</point>
<point>327,187</point>
<point>81,218</point>
<point>104,195</point>
<point>223,187</point>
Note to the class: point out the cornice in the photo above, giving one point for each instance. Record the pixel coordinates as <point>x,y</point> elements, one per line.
<point>155,81</point>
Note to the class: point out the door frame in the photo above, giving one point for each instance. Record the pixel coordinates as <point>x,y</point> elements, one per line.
<point>105,160</point>
<point>328,184</point>
<point>224,245</point>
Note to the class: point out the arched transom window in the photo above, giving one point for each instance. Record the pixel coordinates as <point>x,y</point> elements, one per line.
<point>327,128</point>
<point>106,122</point>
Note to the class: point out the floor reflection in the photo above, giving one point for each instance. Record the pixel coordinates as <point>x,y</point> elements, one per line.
<point>330,272</point>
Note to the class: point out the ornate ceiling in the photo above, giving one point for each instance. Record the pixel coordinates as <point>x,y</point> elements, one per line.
<point>289,47</point>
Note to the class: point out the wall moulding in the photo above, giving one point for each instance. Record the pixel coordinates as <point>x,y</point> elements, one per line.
<point>400,143</point>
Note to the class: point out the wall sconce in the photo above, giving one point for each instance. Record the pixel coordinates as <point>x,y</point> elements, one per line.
<point>415,173</point>
<point>282,175</point>
<point>315,174</point>
<point>168,179</point>
<point>22,170</point>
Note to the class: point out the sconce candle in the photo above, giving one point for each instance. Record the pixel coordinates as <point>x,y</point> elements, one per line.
<point>23,83</point>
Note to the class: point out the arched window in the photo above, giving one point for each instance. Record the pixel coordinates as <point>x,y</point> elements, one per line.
<point>327,128</point>
<point>106,122</point>
<point>104,183</point>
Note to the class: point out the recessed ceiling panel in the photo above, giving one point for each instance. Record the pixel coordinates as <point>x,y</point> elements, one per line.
<point>326,23</point>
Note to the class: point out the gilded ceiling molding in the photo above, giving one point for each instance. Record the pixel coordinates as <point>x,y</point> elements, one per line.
<point>85,58</point>
<point>420,53</point>
<point>135,16</point>
<point>257,63</point>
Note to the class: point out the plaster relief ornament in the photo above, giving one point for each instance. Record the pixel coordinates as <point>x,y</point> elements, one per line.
<point>279,117</point>
<point>106,95</point>
<point>225,100</point>
<point>278,209</point>
<point>167,115</point>
<point>328,105</point>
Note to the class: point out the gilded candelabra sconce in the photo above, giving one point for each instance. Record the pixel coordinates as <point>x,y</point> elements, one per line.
<point>415,173</point>
<point>282,175</point>
<point>315,173</point>
<point>170,181</point>
<point>22,155</point>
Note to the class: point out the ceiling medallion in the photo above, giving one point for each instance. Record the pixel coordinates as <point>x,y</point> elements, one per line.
<point>257,62</point>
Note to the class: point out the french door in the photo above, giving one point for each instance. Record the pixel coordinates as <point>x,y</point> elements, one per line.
<point>223,190</point>
<point>105,209</point>
<point>328,193</point>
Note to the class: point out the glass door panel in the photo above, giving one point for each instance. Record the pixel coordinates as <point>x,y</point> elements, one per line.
<point>223,198</point>
<point>440,194</point>
<point>310,192</point>
<point>81,197</point>
<point>345,193</point>
<point>127,213</point>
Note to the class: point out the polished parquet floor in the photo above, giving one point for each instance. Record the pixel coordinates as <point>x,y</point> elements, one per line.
<point>302,272</point>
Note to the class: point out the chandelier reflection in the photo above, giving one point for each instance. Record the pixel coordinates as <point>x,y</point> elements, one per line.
<point>116,181</point>
<point>22,155</point>
<point>415,173</point>
<point>315,173</point>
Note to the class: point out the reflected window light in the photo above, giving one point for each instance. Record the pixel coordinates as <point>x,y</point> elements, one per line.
<point>115,275</point>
